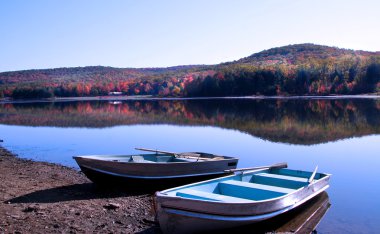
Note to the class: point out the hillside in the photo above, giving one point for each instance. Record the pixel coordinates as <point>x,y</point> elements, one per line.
<point>90,74</point>
<point>301,54</point>
<point>304,69</point>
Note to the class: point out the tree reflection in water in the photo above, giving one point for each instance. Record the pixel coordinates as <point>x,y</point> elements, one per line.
<point>295,121</point>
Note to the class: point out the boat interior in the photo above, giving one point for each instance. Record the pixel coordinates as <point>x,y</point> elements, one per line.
<point>247,187</point>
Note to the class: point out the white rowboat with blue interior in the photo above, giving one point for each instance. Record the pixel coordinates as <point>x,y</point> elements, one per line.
<point>244,198</point>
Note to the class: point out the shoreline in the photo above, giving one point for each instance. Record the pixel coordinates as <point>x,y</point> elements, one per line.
<point>41,197</point>
<point>153,98</point>
<point>49,198</point>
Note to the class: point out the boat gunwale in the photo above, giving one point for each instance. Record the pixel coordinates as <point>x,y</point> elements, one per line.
<point>88,157</point>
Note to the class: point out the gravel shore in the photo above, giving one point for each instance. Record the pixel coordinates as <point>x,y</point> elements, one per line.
<point>40,197</point>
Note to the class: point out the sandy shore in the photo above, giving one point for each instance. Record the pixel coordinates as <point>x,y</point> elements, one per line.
<point>39,197</point>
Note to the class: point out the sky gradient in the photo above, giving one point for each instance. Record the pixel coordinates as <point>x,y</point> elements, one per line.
<point>120,33</point>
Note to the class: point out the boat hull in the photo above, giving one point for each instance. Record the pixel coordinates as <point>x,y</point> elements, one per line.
<point>302,218</point>
<point>134,183</point>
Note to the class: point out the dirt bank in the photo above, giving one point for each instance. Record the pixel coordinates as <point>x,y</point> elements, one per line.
<point>39,197</point>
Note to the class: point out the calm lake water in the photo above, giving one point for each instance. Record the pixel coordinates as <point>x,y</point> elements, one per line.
<point>341,136</point>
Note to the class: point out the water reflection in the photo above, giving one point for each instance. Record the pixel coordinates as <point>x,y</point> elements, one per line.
<point>295,121</point>
<point>304,219</point>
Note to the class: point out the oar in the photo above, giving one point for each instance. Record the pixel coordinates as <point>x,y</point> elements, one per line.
<point>187,155</point>
<point>157,151</point>
<point>313,175</point>
<point>277,165</point>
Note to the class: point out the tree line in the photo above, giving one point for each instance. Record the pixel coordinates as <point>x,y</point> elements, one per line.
<point>304,69</point>
<point>276,81</point>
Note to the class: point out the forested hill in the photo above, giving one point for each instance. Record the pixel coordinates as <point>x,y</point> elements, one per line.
<point>300,54</point>
<point>304,69</point>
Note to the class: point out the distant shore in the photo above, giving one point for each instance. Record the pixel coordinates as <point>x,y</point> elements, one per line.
<point>42,197</point>
<point>150,97</point>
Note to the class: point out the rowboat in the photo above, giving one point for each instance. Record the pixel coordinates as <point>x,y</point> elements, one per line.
<point>161,168</point>
<point>249,196</point>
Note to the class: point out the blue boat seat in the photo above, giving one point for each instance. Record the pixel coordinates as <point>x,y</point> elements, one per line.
<point>201,195</point>
<point>252,191</point>
<point>286,181</point>
<point>285,177</point>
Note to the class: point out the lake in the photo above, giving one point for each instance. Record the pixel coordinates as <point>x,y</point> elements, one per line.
<point>341,136</point>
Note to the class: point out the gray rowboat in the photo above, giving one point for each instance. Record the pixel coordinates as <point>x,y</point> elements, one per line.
<point>161,169</point>
<point>241,199</point>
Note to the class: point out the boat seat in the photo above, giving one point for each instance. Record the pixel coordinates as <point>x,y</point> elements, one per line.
<point>285,181</point>
<point>140,159</point>
<point>201,195</point>
<point>284,177</point>
<point>253,191</point>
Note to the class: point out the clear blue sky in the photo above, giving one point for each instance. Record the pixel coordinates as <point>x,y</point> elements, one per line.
<point>121,33</point>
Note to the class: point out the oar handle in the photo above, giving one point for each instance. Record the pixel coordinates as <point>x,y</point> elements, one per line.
<point>277,165</point>
<point>311,179</point>
<point>156,151</point>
